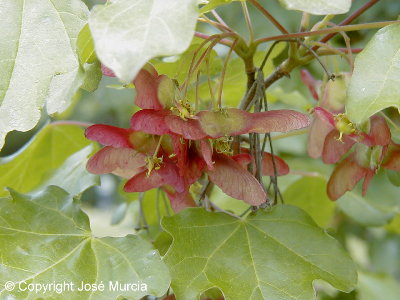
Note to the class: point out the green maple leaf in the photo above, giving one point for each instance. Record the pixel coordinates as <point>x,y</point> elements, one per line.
<point>46,238</point>
<point>270,255</point>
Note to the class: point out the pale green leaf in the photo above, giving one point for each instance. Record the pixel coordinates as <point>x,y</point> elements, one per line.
<point>38,62</point>
<point>271,255</point>
<point>393,176</point>
<point>375,83</point>
<point>128,33</point>
<point>377,286</point>
<point>379,205</point>
<point>213,4</point>
<point>93,76</point>
<point>363,210</point>
<point>162,242</point>
<point>293,98</point>
<point>88,60</point>
<point>72,176</point>
<point>46,238</point>
<point>318,7</point>
<point>309,193</point>
<point>85,46</point>
<point>33,164</point>
<point>394,225</point>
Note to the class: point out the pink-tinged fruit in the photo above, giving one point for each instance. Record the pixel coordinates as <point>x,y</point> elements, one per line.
<point>109,135</point>
<point>345,177</point>
<point>310,82</point>
<point>232,121</point>
<point>168,174</point>
<point>124,162</point>
<point>236,182</point>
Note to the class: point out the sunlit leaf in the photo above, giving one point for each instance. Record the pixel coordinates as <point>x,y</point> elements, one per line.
<point>93,76</point>
<point>262,257</point>
<point>177,66</point>
<point>85,46</point>
<point>37,59</point>
<point>293,98</point>
<point>128,33</point>
<point>375,83</point>
<point>33,164</point>
<point>213,4</point>
<point>46,238</point>
<point>394,225</point>
<point>318,7</point>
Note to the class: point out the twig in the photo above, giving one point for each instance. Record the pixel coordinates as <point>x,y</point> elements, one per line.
<point>335,30</point>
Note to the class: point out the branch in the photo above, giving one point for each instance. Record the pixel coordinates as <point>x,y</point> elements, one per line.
<point>335,30</point>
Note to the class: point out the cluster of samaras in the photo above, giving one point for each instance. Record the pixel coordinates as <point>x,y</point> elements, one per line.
<point>171,146</point>
<point>360,150</point>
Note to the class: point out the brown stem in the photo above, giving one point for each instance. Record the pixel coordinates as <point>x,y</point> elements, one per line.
<point>269,16</point>
<point>279,72</point>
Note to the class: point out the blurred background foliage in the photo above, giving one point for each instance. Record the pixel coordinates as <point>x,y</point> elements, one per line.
<point>366,227</point>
